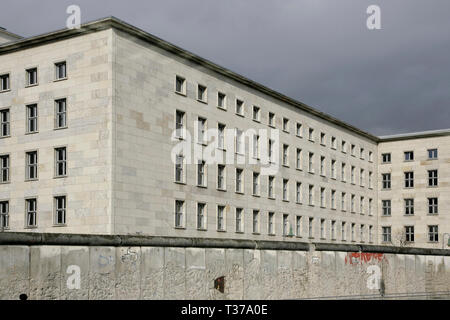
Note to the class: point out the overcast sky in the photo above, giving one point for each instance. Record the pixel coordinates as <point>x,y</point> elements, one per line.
<point>320,52</point>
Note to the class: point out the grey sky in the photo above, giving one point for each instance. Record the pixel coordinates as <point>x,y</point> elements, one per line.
<point>320,52</point>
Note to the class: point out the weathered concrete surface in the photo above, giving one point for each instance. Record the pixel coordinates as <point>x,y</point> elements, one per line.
<point>49,272</point>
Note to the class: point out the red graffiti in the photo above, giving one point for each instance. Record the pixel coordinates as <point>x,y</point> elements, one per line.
<point>363,257</point>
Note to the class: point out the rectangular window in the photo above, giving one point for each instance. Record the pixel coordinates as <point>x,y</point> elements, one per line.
<point>60,113</point>
<point>201,130</point>
<point>310,228</point>
<point>343,204</point>
<point>255,146</point>
<point>179,213</point>
<point>298,159</point>
<point>221,218</point>
<point>361,153</point>
<point>432,178</point>
<point>285,225</point>
<point>31,165</point>
<point>255,183</point>
<point>310,162</point>
<point>386,234</point>
<point>333,199</point>
<point>179,124</point>
<point>221,185</point>
<point>270,187</point>
<point>298,226</point>
<point>32,118</point>
<point>201,216</point>
<point>202,93</point>
<point>322,228</point>
<point>361,205</point>
<point>255,113</point>
<point>298,192</point>
<point>386,180</point>
<point>60,162</point>
<point>386,207</point>
<point>221,136</point>
<point>255,221</point>
<point>432,205</point>
<point>344,146</point>
<point>333,143</point>
<point>4,214</point>
<point>270,223</point>
<point>60,210</point>
<point>285,124</point>
<point>370,180</point>
<point>333,230</point>
<point>432,154</point>
<point>240,140</point>
<point>353,175</point>
<point>343,172</point>
<point>433,233</point>
<point>322,197</point>
<point>353,232</point>
<point>285,155</point>
<point>201,174</point>
<point>322,165</point>
<point>285,190</point>
<point>353,203</point>
<point>322,138</point>
<point>239,177</point>
<point>361,233</point>
<point>311,134</point>
<point>4,123</point>
<point>179,168</point>
<point>31,212</point>
<point>60,70</point>
<point>4,82</point>
<point>370,160</point>
<point>4,168</point>
<point>221,100</point>
<point>333,169</point>
<point>271,119</point>
<point>32,76</point>
<point>370,207</point>
<point>409,156</point>
<point>370,233</point>
<point>343,238</point>
<point>361,177</point>
<point>239,220</point>
<point>298,131</point>
<point>353,148</point>
<point>271,151</point>
<point>386,158</point>
<point>311,195</point>
<point>409,233</point>
<point>239,107</point>
<point>180,85</point>
<point>409,179</point>
<point>409,206</point>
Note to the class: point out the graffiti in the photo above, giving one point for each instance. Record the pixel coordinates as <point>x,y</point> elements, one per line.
<point>130,257</point>
<point>363,257</point>
<point>104,261</point>
<point>74,280</point>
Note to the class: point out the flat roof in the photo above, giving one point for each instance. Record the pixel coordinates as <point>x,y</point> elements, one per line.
<point>415,135</point>
<point>113,22</point>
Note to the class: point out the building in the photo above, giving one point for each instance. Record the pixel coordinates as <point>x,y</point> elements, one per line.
<point>100,128</point>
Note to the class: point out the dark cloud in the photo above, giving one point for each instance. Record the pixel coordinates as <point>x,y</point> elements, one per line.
<point>385,81</point>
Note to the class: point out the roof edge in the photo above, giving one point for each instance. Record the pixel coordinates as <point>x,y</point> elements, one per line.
<point>415,135</point>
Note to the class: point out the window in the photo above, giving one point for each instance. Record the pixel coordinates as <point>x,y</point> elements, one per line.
<point>239,141</point>
<point>201,174</point>
<point>31,165</point>
<point>333,230</point>
<point>298,131</point>
<point>343,238</point>
<point>322,138</point>
<point>255,113</point>
<point>333,169</point>
<point>201,216</point>
<point>31,212</point>
<point>4,168</point>
<point>370,160</point>
<point>285,155</point>
<point>255,221</point>
<point>179,168</point>
<point>370,180</point>
<point>322,165</point>
<point>4,123</point>
<point>409,156</point>
<point>353,232</point>
<point>239,220</point>
<point>239,107</point>
<point>60,114</point>
<point>255,183</point>
<point>270,187</point>
<point>255,146</point>
<point>361,205</point>
<point>433,233</point>
<point>270,222</point>
<point>386,234</point>
<point>361,177</point>
<point>4,82</point>
<point>361,153</point>
<point>432,205</point>
<point>285,190</point>
<point>271,152</point>
<point>353,203</point>
<point>386,158</point>
<point>202,93</point>
<point>60,70</point>
<point>370,206</point>
<point>322,228</point>
<point>239,180</point>
<point>179,124</point>
<point>298,159</point>
<point>60,162</point>
<point>179,213</point>
<point>221,185</point>
<point>353,147</point>
<point>201,130</point>
<point>60,210</point>
<point>353,175</point>
<point>310,228</point>
<point>32,118</point>
<point>386,180</point>
<point>221,218</point>
<point>386,207</point>
<point>409,206</point>
<point>432,154</point>
<point>333,143</point>
<point>298,192</point>
<point>409,179</point>
<point>344,146</point>
<point>310,162</point>
<point>409,233</point>
<point>285,225</point>
<point>322,197</point>
<point>4,214</point>
<point>370,233</point>
<point>432,178</point>
<point>285,124</point>
<point>271,119</point>
<point>311,134</point>
<point>343,204</point>
<point>343,172</point>
<point>298,226</point>
<point>361,232</point>
<point>311,195</point>
<point>180,85</point>
<point>221,100</point>
<point>333,199</point>
<point>221,136</point>
<point>32,76</point>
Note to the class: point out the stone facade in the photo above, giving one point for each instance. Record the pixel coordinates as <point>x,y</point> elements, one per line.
<point>121,110</point>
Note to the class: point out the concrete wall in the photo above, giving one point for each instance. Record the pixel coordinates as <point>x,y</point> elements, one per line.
<point>182,272</point>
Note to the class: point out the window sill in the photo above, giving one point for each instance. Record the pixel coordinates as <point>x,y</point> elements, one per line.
<point>33,132</point>
<point>221,230</point>
<point>222,108</point>
<point>203,187</point>
<point>240,232</point>
<point>239,114</point>
<point>202,101</point>
<point>256,195</point>
<point>31,85</point>
<point>202,229</point>
<point>271,198</point>
<point>180,182</point>
<point>3,91</point>
<point>30,180</point>
<point>60,79</point>
<point>60,177</point>
<point>221,190</point>
<point>298,136</point>
<point>180,228</point>
<point>60,225</point>
<point>60,128</point>
<point>32,227</point>
<point>4,137</point>
<point>256,233</point>
<point>239,192</point>
<point>256,120</point>
<point>5,182</point>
